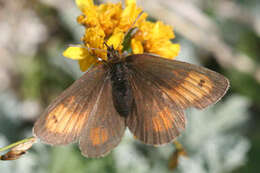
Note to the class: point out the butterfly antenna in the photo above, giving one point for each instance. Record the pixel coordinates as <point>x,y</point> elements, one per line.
<point>89,50</point>
<point>105,43</point>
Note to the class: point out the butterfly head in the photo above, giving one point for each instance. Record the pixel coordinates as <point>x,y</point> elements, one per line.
<point>113,55</point>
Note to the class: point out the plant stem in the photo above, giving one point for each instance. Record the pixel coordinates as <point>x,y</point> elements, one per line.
<point>16,143</point>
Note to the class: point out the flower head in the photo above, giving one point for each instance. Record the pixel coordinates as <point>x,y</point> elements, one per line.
<point>109,23</point>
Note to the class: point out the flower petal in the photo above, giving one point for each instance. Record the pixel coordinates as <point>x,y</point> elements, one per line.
<point>85,64</point>
<point>129,2</point>
<point>137,46</point>
<point>84,4</point>
<point>109,16</point>
<point>94,37</point>
<point>165,49</point>
<point>161,30</point>
<point>116,40</point>
<point>76,53</point>
<point>129,15</point>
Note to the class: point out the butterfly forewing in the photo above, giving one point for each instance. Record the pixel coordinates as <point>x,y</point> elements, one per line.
<point>162,89</point>
<point>188,85</point>
<point>63,120</point>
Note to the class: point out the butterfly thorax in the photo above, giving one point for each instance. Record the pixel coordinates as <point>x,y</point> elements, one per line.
<point>121,88</point>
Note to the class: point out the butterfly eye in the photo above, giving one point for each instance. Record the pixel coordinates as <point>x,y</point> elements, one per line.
<point>112,54</point>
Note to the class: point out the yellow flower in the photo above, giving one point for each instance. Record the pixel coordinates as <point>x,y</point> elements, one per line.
<point>109,16</point>
<point>109,23</point>
<point>82,55</point>
<point>156,39</point>
<point>90,15</point>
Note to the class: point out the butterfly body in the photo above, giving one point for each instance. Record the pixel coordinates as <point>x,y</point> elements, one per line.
<point>121,88</point>
<point>145,93</point>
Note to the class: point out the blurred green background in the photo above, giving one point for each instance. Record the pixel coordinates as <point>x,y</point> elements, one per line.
<point>223,35</point>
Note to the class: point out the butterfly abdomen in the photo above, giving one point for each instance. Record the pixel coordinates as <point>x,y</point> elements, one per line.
<point>121,89</point>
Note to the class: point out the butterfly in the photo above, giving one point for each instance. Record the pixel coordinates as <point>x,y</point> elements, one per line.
<point>142,92</point>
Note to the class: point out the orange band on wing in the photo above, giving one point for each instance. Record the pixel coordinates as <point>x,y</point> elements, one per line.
<point>64,120</point>
<point>191,89</point>
<point>98,136</point>
<point>163,121</point>
<point>199,80</point>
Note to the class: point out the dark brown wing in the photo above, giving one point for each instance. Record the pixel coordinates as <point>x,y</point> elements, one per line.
<point>105,126</point>
<point>162,89</point>
<point>187,84</point>
<point>155,118</point>
<point>64,118</point>
<point>70,115</point>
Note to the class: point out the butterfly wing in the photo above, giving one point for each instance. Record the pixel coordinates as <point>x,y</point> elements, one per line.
<point>162,89</point>
<point>82,107</point>
<point>155,118</point>
<point>187,84</point>
<point>105,128</point>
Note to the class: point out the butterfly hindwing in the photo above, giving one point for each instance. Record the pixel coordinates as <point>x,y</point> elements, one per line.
<point>105,128</point>
<point>155,119</point>
<point>162,89</point>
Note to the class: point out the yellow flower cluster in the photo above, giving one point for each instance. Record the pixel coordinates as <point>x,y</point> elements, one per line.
<point>109,23</point>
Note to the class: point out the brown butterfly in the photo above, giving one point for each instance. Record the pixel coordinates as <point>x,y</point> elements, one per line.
<point>146,93</point>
